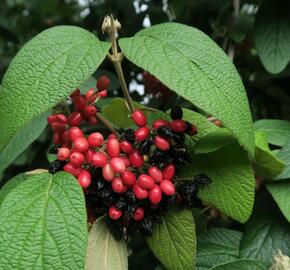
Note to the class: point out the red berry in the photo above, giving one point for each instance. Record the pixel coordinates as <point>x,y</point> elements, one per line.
<point>193,130</point>
<point>90,96</point>
<point>139,192</point>
<point>89,111</point>
<point>81,145</point>
<point>118,165</point>
<point>102,94</point>
<point>168,172</point>
<point>63,153</point>
<point>79,103</point>
<point>61,118</point>
<point>108,172</point>
<point>75,119</point>
<point>167,187</point>
<point>126,147</point>
<point>160,123</point>
<point>70,168</point>
<point>155,195</point>
<point>77,159</point>
<point>136,159</point>
<point>99,159</point>
<point>75,132</point>
<point>103,83</point>
<point>113,147</point>
<point>139,118</point>
<point>114,213</point>
<point>112,136</point>
<point>117,185</point>
<point>89,155</point>
<point>138,214</point>
<point>92,120</point>
<point>156,174</point>
<point>65,136</point>
<point>126,161</point>
<point>76,93</point>
<point>51,119</point>
<point>57,138</point>
<point>178,125</point>
<point>145,181</point>
<point>129,178</point>
<point>142,133</point>
<point>58,127</point>
<point>84,179</point>
<point>66,144</point>
<point>162,143</point>
<point>95,139</point>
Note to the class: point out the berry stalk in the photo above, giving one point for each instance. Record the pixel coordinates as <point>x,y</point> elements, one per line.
<point>111,26</point>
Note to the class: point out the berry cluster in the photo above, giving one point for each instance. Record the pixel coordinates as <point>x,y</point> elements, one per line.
<point>130,174</point>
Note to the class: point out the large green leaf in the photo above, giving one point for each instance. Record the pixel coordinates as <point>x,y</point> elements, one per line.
<point>281,193</point>
<point>266,164</point>
<point>241,264</point>
<point>262,240</point>
<point>284,154</point>
<point>213,141</point>
<point>217,246</point>
<point>46,70</point>
<point>173,241</point>
<point>191,64</point>
<point>278,131</point>
<point>232,189</point>
<point>272,35</point>
<point>43,224</point>
<point>21,140</point>
<point>104,251</point>
<point>12,183</point>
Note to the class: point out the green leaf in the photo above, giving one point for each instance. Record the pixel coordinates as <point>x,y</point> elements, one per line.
<point>104,251</point>
<point>204,126</point>
<point>173,241</point>
<point>191,64</point>
<point>22,140</point>
<point>91,82</point>
<point>277,130</point>
<point>233,188</point>
<point>118,114</point>
<point>43,224</point>
<point>262,240</point>
<point>11,184</point>
<point>280,191</point>
<point>284,154</point>
<point>241,264</point>
<point>213,141</point>
<point>46,70</point>
<point>217,246</point>
<point>266,164</point>
<point>272,35</point>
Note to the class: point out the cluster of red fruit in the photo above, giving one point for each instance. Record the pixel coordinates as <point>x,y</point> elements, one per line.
<point>134,163</point>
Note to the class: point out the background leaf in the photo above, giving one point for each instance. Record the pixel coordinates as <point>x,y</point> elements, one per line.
<point>272,35</point>
<point>277,130</point>
<point>176,54</point>
<point>46,70</point>
<point>280,191</point>
<point>241,264</point>
<point>266,164</point>
<point>43,223</point>
<point>233,188</point>
<point>284,154</point>
<point>217,246</point>
<point>22,139</point>
<point>173,241</point>
<point>104,251</point>
<point>213,141</point>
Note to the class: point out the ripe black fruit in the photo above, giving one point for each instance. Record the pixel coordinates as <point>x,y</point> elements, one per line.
<point>176,112</point>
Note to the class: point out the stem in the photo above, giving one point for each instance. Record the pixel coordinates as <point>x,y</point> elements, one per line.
<point>116,58</point>
<point>107,124</point>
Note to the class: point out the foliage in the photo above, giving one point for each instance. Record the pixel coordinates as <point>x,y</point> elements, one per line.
<point>43,219</point>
